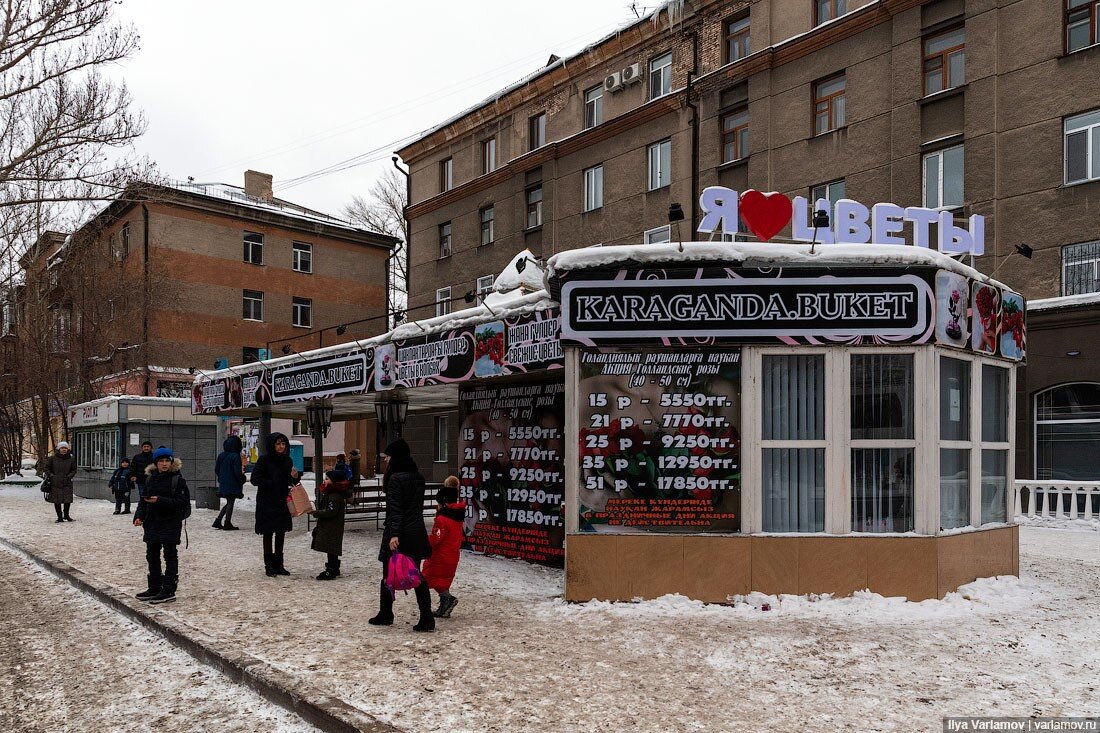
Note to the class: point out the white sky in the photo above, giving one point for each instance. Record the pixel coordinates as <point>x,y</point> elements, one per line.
<point>291,87</point>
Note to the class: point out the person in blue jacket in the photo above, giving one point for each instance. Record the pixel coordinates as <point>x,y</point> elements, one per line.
<point>342,465</point>
<point>120,486</point>
<point>230,480</point>
<point>164,505</point>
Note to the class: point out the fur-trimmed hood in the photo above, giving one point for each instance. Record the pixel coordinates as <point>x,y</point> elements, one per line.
<point>177,466</point>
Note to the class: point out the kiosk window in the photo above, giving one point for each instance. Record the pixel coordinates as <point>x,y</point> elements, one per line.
<point>954,443</point>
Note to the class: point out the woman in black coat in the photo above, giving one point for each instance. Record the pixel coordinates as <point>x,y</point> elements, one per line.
<point>405,530</point>
<point>273,476</point>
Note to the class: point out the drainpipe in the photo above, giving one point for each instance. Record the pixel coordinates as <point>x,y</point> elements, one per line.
<point>694,131</point>
<point>145,292</point>
<point>408,230</point>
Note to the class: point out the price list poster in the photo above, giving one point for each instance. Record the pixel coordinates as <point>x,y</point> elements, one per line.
<point>512,444</point>
<point>660,440</point>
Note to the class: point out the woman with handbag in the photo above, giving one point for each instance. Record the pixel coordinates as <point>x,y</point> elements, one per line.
<point>273,476</point>
<point>59,471</point>
<point>405,531</point>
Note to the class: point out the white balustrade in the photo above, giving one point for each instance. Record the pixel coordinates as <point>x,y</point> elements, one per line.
<point>1056,499</point>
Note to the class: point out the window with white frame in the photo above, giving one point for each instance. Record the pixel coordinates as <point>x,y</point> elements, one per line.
<point>1067,433</point>
<point>1082,24</point>
<point>943,178</point>
<point>443,301</point>
<point>10,316</point>
<point>593,106</point>
<point>97,448</point>
<point>253,305</point>
<point>302,257</point>
<point>1082,136</point>
<point>656,236</point>
<point>534,207</point>
<point>488,155</point>
<point>994,444</point>
<point>253,248</point>
<point>593,188</point>
<point>955,442</point>
<point>1081,268</point>
<point>659,157</point>
<point>441,438</point>
<point>446,174</point>
<point>301,312</point>
<point>484,287</point>
<point>660,75</point>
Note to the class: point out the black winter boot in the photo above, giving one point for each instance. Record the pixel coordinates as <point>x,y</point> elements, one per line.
<point>385,609</point>
<point>424,601</point>
<point>154,588</point>
<point>278,564</point>
<point>269,564</point>
<point>167,590</point>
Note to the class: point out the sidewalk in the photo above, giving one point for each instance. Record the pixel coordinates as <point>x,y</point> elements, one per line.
<point>515,657</point>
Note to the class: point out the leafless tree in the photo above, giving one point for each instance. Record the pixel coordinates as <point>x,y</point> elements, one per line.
<point>383,211</point>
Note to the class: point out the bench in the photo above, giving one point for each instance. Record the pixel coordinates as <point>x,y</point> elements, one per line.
<point>369,502</point>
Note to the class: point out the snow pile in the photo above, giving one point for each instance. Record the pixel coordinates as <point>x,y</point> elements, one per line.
<point>1064,301</point>
<point>531,278</point>
<point>1086,525</point>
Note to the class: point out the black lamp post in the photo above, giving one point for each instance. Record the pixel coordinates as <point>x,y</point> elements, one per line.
<point>391,415</point>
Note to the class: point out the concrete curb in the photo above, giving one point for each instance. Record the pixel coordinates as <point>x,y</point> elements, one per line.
<point>328,713</point>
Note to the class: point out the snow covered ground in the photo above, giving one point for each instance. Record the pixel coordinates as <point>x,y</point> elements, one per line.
<point>515,657</point>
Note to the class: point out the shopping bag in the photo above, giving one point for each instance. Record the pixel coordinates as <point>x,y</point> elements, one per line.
<point>298,501</point>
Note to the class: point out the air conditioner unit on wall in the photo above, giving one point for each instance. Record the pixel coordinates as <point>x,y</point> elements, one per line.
<point>613,82</point>
<point>632,74</point>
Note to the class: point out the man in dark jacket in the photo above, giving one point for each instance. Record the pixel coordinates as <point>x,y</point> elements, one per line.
<point>230,475</point>
<point>165,502</point>
<point>404,531</point>
<point>356,464</point>
<point>120,486</point>
<point>138,464</point>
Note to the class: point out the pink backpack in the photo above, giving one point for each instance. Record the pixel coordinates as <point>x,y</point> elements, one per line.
<point>402,573</point>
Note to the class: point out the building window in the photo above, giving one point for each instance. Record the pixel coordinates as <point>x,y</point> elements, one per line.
<point>440,438</point>
<point>660,76</point>
<point>536,131</point>
<point>253,248</point>
<point>125,236</point>
<point>534,207</point>
<point>955,443</point>
<point>1082,135</point>
<point>1081,268</point>
<point>251,354</point>
<point>656,236</point>
<point>593,188</point>
<point>445,239</point>
<point>737,39</point>
<point>253,305</point>
<point>944,61</point>
<point>825,10</point>
<point>488,155</point>
<point>446,174</point>
<point>735,135</point>
<point>303,257</point>
<point>10,316</point>
<point>1082,24</point>
<point>301,312</point>
<point>994,444</point>
<point>829,105</point>
<point>484,287</point>
<point>62,317</point>
<point>593,106</point>
<point>943,178</point>
<point>1067,433</point>
<point>659,156</point>
<point>443,301</point>
<point>832,192</point>
<point>488,225</point>
<point>299,427</point>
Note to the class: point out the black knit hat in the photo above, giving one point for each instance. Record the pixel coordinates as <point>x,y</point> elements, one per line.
<point>335,476</point>
<point>398,449</point>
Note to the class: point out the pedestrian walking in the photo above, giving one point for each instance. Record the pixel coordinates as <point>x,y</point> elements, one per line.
<point>120,486</point>
<point>141,461</point>
<point>328,535</point>
<point>58,472</point>
<point>273,476</point>
<point>164,504</point>
<point>230,473</point>
<point>446,541</point>
<point>356,464</point>
<point>404,531</point>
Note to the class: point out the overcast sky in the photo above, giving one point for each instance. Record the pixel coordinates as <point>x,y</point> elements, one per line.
<point>290,87</point>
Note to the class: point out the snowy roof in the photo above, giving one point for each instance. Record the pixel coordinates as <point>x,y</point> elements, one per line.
<point>236,195</point>
<point>759,254</point>
<point>171,401</point>
<point>1065,301</point>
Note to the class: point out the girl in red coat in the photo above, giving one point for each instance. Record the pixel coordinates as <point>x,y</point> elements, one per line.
<point>446,540</point>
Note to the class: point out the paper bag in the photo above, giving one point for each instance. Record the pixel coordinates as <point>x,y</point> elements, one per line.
<point>298,501</point>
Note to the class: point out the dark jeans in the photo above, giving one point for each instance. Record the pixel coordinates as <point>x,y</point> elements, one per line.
<point>121,498</point>
<point>227,511</point>
<point>278,548</point>
<point>171,559</point>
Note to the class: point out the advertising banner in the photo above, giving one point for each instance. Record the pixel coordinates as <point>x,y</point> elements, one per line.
<point>660,440</point>
<point>320,378</point>
<point>511,445</point>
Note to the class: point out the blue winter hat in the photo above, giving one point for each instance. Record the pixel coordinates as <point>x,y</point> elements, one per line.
<point>162,452</point>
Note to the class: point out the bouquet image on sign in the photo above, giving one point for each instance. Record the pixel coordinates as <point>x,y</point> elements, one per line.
<point>1013,335</point>
<point>298,502</point>
<point>489,350</point>
<point>951,292</point>
<point>987,316</point>
<point>385,366</point>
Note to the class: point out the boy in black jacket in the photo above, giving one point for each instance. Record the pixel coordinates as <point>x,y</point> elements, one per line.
<point>165,502</point>
<point>120,486</point>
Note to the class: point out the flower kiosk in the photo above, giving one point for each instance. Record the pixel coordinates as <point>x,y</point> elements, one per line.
<point>763,417</point>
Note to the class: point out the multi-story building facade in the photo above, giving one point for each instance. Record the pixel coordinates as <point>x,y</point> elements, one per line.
<point>971,106</point>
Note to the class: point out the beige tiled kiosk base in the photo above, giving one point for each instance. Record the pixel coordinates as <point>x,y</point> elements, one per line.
<point>624,567</point>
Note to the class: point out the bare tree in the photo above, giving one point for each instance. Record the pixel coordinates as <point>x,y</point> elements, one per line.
<point>383,211</point>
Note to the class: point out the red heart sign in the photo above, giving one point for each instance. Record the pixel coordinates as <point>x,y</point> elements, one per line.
<point>765,214</point>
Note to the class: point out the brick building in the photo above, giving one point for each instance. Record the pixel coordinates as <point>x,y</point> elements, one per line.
<point>973,106</point>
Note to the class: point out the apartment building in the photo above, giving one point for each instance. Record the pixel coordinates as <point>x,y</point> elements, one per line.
<point>965,105</point>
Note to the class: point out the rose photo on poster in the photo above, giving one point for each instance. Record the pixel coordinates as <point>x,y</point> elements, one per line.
<point>385,367</point>
<point>1013,335</point>
<point>986,310</point>
<point>489,349</point>
<point>951,306</point>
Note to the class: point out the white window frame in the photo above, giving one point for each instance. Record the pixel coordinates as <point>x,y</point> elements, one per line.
<point>1036,422</point>
<point>443,301</point>
<point>658,175</point>
<point>483,286</point>
<point>488,155</point>
<point>657,235</point>
<point>253,309</point>
<point>251,245</point>
<point>302,252</point>
<point>300,307</point>
<point>441,438</point>
<point>593,188</point>
<point>939,154</point>
<point>1091,151</point>
<point>660,75</point>
<point>1092,258</point>
<point>593,107</point>
<point>446,174</point>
